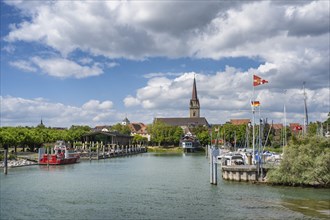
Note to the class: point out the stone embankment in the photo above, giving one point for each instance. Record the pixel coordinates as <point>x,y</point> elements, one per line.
<point>18,163</point>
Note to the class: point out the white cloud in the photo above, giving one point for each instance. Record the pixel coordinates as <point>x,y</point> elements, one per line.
<point>16,110</point>
<point>8,48</point>
<point>152,75</point>
<point>112,64</point>
<point>95,105</point>
<point>85,60</point>
<point>142,29</point>
<point>23,65</point>
<point>130,101</point>
<point>64,68</point>
<point>292,36</point>
<point>227,95</point>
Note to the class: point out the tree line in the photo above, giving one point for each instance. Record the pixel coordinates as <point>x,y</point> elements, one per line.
<point>31,138</point>
<point>161,134</point>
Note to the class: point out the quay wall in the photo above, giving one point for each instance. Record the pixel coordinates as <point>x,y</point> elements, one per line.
<point>245,173</point>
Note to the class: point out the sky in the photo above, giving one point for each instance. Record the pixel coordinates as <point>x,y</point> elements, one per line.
<point>97,62</point>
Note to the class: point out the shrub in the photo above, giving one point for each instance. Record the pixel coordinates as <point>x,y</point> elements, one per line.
<point>305,162</point>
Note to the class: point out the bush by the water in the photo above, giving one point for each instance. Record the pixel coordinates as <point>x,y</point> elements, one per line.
<point>306,161</point>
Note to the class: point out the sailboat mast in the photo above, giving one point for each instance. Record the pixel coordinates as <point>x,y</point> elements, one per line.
<point>305,110</point>
<point>284,127</point>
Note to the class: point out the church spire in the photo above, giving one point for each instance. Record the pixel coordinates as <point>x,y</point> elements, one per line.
<point>194,102</point>
<point>194,91</point>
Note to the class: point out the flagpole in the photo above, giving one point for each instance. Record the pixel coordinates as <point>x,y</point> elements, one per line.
<point>259,143</point>
<point>253,121</point>
<point>285,126</point>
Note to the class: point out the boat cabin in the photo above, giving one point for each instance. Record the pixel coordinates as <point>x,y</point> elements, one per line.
<point>231,160</point>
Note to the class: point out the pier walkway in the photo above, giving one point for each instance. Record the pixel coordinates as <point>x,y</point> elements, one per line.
<point>98,150</point>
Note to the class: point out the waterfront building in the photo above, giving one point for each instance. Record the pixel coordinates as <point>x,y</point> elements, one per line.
<point>104,128</point>
<point>139,128</point>
<point>108,138</point>
<point>240,121</point>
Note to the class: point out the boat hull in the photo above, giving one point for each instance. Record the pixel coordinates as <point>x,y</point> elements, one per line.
<point>53,160</point>
<point>61,162</point>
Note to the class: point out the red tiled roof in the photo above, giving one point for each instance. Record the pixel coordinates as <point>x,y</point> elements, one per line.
<point>239,121</point>
<point>138,128</point>
<point>277,126</point>
<point>184,121</point>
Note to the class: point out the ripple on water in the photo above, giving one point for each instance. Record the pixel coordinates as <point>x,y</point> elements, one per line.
<point>148,187</point>
<point>309,207</point>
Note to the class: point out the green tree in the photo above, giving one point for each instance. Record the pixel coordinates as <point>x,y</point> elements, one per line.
<point>138,139</point>
<point>76,132</point>
<point>313,128</point>
<point>202,133</point>
<point>157,132</point>
<point>163,134</point>
<point>123,129</point>
<point>305,162</point>
<point>7,137</point>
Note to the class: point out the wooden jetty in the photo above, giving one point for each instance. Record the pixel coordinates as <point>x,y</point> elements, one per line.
<point>99,150</point>
<point>101,145</point>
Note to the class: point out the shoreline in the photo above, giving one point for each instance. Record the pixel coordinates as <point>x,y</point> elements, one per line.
<point>18,163</point>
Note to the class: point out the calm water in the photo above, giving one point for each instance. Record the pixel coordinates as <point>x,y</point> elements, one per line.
<point>149,186</point>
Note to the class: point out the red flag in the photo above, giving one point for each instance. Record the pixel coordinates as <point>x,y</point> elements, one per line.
<point>258,81</point>
<point>297,128</point>
<point>255,103</point>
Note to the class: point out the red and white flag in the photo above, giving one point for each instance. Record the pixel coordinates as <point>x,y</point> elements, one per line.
<point>258,81</point>
<point>255,103</point>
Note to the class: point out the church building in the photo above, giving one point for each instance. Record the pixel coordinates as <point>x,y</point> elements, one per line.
<point>194,118</point>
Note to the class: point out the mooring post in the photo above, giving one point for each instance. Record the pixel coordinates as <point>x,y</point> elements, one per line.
<point>103,148</point>
<point>91,144</point>
<point>97,150</point>
<point>214,152</point>
<point>5,168</point>
<point>48,157</point>
<point>211,164</point>
<point>206,151</point>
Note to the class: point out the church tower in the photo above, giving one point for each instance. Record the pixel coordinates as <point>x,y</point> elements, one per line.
<point>194,103</point>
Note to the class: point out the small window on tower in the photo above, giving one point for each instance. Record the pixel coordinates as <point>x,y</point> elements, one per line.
<point>194,113</point>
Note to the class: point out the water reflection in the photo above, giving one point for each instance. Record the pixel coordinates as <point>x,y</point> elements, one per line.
<point>56,168</point>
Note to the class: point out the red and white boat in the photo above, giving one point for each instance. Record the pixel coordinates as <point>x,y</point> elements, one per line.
<point>63,155</point>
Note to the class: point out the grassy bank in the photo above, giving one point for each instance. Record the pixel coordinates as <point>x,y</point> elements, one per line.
<point>164,149</point>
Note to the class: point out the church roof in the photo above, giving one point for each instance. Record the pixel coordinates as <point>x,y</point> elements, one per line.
<point>184,121</point>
